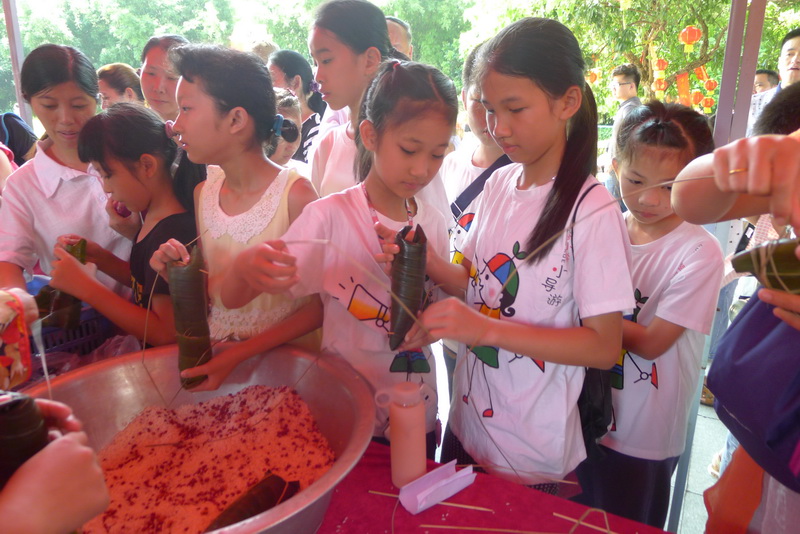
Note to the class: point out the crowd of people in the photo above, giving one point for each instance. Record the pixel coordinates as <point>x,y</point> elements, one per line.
<point>295,181</point>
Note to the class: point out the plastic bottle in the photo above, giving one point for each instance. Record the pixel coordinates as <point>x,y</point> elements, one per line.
<point>406,430</point>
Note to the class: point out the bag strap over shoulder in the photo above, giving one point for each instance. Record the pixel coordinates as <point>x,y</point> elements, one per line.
<point>474,189</point>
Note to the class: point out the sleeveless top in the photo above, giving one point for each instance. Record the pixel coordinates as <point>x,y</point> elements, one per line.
<point>225,236</point>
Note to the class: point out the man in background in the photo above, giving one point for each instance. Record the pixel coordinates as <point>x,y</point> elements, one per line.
<point>789,70</point>
<point>765,80</point>
<point>624,87</point>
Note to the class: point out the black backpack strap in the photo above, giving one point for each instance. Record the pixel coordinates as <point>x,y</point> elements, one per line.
<point>474,189</point>
<point>594,401</point>
<point>575,216</point>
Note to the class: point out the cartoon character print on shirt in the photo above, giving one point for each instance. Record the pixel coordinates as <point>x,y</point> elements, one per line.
<point>496,285</point>
<point>618,371</point>
<point>370,309</point>
<point>462,227</point>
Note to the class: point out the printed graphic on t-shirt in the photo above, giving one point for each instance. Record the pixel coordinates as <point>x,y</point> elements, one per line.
<point>496,286</point>
<point>376,313</point>
<point>639,369</point>
<point>460,230</point>
<point>618,371</point>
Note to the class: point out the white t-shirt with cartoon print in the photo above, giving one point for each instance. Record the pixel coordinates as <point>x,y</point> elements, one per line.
<point>676,278</point>
<point>354,289</point>
<point>529,407</point>
<point>458,173</point>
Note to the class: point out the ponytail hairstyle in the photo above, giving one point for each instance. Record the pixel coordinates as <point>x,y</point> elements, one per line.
<point>121,76</point>
<point>661,125</point>
<point>294,64</point>
<point>359,24</point>
<point>555,65</point>
<point>400,92</point>
<point>125,132</point>
<point>50,65</point>
<point>234,79</point>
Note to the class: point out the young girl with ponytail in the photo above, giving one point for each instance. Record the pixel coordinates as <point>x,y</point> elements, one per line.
<point>541,305</point>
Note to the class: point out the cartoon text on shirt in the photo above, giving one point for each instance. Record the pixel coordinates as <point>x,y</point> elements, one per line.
<point>366,307</point>
<point>496,286</point>
<point>462,227</point>
<point>618,371</point>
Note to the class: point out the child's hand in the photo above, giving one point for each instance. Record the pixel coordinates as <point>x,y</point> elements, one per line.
<point>389,248</point>
<point>94,252</point>
<point>172,250</point>
<point>767,165</point>
<point>126,225</point>
<point>58,417</point>
<point>59,489</point>
<point>217,370</point>
<point>267,268</point>
<point>71,276</point>
<point>451,319</point>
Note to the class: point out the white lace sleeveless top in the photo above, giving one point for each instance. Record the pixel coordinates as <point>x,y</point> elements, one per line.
<point>225,236</point>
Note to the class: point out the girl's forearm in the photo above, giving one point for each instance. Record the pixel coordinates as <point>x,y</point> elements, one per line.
<point>595,344</point>
<point>305,319</point>
<point>11,275</point>
<point>651,341</point>
<point>114,267</point>
<point>131,318</point>
<point>452,278</point>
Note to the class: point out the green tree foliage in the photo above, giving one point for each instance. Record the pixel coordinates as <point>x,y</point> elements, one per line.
<point>113,30</point>
<point>436,28</point>
<point>649,30</point>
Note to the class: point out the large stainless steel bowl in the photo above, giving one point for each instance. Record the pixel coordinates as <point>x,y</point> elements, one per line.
<point>108,394</point>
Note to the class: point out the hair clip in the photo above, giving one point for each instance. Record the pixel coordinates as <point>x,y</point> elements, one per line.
<point>277,126</point>
<point>168,128</point>
<point>395,64</point>
<point>313,86</point>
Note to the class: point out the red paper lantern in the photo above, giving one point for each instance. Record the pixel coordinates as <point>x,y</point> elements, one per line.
<point>689,36</point>
<point>710,85</point>
<point>660,84</point>
<point>591,77</point>
<point>697,97</point>
<point>661,64</point>
<point>708,103</point>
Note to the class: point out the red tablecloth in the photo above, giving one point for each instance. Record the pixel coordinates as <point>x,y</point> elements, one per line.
<point>354,510</point>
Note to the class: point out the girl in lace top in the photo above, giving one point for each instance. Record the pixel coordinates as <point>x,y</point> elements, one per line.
<point>246,199</point>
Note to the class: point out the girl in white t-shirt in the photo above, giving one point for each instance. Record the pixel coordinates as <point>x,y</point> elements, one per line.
<point>540,304</point>
<point>348,42</point>
<point>247,198</point>
<point>410,111</point>
<point>676,271</point>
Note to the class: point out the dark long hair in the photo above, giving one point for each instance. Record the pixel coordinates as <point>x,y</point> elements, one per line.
<point>547,53</point>
<point>125,132</point>
<point>294,64</point>
<point>402,91</point>
<point>51,64</point>
<point>359,24</point>
<point>233,79</point>
<point>656,124</point>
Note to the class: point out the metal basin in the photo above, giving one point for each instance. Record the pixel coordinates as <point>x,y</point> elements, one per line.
<point>105,396</point>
